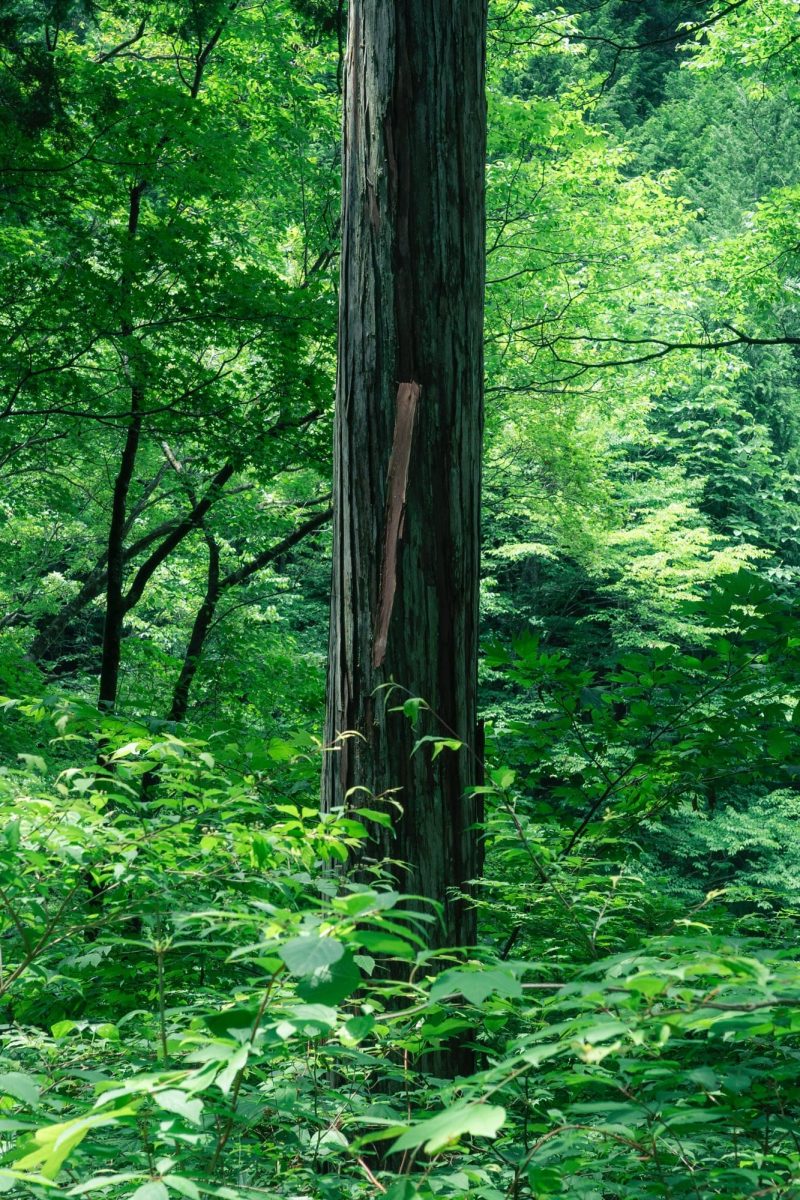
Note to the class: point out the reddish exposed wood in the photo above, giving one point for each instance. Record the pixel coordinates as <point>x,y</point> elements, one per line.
<point>396,486</point>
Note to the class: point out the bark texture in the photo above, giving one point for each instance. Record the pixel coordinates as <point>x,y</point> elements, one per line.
<point>407,500</point>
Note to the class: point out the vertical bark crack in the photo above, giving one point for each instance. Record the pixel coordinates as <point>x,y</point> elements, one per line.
<point>396,486</point>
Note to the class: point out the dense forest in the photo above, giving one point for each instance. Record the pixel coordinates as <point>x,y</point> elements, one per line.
<point>399,642</point>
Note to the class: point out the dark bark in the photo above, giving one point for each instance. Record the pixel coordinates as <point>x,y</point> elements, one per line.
<point>215,589</point>
<point>406,541</point>
<point>115,559</point>
<point>169,535</point>
<point>117,604</point>
<point>202,624</point>
<point>52,629</point>
<point>115,552</point>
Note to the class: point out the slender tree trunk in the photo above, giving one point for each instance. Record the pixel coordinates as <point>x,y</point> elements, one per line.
<point>116,602</point>
<point>408,432</point>
<point>115,553</point>
<point>169,534</point>
<point>197,639</point>
<point>215,589</point>
<point>115,575</point>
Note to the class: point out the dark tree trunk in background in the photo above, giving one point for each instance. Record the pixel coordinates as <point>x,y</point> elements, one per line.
<point>115,552</point>
<point>197,640</point>
<point>409,430</point>
<point>216,586</point>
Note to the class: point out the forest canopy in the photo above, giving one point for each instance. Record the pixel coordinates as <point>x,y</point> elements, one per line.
<point>403,395</point>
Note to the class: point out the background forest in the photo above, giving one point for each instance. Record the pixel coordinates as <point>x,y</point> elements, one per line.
<point>196,997</point>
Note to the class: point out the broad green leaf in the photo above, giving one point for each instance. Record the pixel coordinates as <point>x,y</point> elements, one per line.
<point>648,985</point>
<point>411,708</point>
<point>16,1179</point>
<point>373,814</point>
<point>479,1120</point>
<point>21,1087</point>
<point>34,762</point>
<point>403,1189</point>
<point>356,1029</point>
<point>237,1063</point>
<point>439,744</point>
<point>56,1142</point>
<point>152,1190</point>
<point>131,748</point>
<point>307,954</point>
<point>232,1022</point>
<point>503,778</point>
<point>99,1182</point>
<point>332,983</point>
<point>385,943</point>
<point>476,985</point>
<point>314,1017</point>
<point>183,1186</point>
<point>175,1101</point>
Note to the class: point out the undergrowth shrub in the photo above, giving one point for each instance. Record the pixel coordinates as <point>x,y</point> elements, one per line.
<point>199,999</point>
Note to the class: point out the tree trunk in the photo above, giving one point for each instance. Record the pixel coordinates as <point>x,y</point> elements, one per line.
<point>115,553</point>
<point>197,640</point>
<point>215,589</point>
<point>408,433</point>
<point>115,575</point>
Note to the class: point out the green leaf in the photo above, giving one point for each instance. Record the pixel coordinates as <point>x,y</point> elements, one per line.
<point>356,1029</point>
<point>480,1120</point>
<point>332,983</point>
<point>182,1185</point>
<point>237,1063</point>
<point>131,748</point>
<point>403,1189</point>
<point>315,1014</point>
<point>544,1181</point>
<point>12,1179</point>
<point>152,1190</point>
<point>98,1182</point>
<point>439,744</point>
<point>648,985</point>
<point>372,814</point>
<point>54,1143</point>
<point>21,1087</point>
<point>175,1101</point>
<point>503,778</point>
<point>13,834</point>
<point>307,954</point>
<point>442,744</point>
<point>34,762</point>
<point>476,985</point>
<point>232,1021</point>
<point>385,943</point>
<point>779,743</point>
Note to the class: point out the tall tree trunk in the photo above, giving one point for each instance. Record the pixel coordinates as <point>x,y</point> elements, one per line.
<point>115,553</point>
<point>408,432</point>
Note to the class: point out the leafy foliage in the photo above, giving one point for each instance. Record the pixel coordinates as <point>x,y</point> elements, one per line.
<point>199,997</point>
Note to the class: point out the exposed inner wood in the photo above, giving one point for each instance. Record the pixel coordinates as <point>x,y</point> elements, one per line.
<point>396,487</point>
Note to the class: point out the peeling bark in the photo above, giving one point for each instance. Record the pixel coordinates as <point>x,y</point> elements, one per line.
<point>396,486</point>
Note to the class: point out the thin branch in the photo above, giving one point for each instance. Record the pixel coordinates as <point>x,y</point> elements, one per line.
<point>136,37</point>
